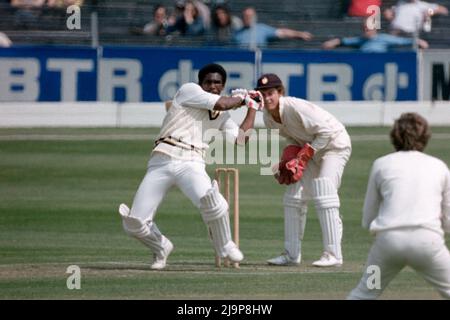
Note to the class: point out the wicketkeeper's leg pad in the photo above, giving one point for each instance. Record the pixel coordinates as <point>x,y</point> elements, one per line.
<point>295,210</point>
<point>214,210</point>
<point>327,204</point>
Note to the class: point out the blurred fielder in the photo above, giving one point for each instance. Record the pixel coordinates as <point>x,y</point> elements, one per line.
<point>178,159</point>
<point>311,165</point>
<point>407,208</point>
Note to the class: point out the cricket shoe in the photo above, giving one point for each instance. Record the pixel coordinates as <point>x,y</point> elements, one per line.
<point>232,252</point>
<point>285,260</point>
<point>328,260</point>
<point>160,260</point>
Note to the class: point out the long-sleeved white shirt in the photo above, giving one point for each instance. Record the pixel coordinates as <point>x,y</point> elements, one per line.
<point>304,122</point>
<point>188,120</point>
<point>408,189</point>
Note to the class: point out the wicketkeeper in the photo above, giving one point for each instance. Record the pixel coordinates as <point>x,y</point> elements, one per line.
<point>311,166</point>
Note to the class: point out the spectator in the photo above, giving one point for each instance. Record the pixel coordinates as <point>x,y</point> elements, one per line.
<point>224,25</point>
<point>157,27</point>
<point>411,16</point>
<point>258,34</point>
<point>204,12</point>
<point>27,12</point>
<point>358,8</point>
<point>190,23</point>
<point>372,41</point>
<point>5,42</point>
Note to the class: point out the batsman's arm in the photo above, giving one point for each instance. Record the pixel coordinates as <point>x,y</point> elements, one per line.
<point>227,103</point>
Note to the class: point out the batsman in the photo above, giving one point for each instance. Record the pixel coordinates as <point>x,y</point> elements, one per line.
<point>178,159</point>
<point>311,166</point>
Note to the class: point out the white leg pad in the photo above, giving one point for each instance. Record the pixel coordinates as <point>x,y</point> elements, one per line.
<point>294,225</point>
<point>146,232</point>
<point>327,206</point>
<point>214,209</point>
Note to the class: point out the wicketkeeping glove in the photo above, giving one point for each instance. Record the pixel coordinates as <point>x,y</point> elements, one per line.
<point>298,164</point>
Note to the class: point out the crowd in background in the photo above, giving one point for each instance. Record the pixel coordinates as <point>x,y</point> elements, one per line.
<point>217,23</point>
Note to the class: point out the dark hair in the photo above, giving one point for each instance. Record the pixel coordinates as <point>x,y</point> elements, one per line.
<point>157,7</point>
<point>410,132</point>
<point>212,68</point>
<point>215,18</point>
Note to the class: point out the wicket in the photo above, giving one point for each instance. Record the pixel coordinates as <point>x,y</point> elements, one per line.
<point>227,173</point>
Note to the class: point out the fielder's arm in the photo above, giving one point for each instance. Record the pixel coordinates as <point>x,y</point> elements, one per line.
<point>372,200</point>
<point>446,205</point>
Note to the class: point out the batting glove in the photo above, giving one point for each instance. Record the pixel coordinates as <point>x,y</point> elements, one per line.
<point>239,92</point>
<point>252,99</point>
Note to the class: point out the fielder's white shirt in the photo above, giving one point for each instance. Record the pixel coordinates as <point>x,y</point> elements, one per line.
<point>409,16</point>
<point>408,189</point>
<point>187,120</point>
<point>304,122</point>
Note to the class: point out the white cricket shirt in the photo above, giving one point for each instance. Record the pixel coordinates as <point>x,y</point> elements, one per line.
<point>188,123</point>
<point>304,122</point>
<point>407,189</point>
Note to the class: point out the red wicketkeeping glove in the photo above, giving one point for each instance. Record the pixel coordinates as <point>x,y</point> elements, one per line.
<point>282,174</point>
<point>298,164</point>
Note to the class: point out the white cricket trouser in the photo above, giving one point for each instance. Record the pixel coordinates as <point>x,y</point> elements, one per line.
<point>331,166</point>
<point>422,249</point>
<point>164,172</point>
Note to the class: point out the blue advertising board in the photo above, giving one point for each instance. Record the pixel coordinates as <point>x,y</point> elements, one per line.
<point>323,75</point>
<point>135,74</point>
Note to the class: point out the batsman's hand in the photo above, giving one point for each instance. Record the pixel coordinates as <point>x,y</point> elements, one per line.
<point>251,98</point>
<point>240,92</point>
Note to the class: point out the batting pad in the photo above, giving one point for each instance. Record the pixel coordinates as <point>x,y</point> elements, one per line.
<point>147,233</point>
<point>214,209</point>
<point>327,206</point>
<point>213,205</point>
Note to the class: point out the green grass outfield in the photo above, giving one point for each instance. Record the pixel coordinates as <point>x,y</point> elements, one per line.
<point>59,193</point>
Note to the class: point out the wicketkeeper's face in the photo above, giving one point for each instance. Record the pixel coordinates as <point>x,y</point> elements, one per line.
<point>213,83</point>
<point>271,98</point>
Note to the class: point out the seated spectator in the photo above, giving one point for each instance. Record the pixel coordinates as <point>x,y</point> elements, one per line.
<point>408,17</point>
<point>224,25</point>
<point>255,34</point>
<point>157,27</point>
<point>358,8</point>
<point>372,41</point>
<point>27,13</point>
<point>5,42</point>
<point>190,23</point>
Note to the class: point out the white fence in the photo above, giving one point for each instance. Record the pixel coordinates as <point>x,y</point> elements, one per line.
<point>100,114</point>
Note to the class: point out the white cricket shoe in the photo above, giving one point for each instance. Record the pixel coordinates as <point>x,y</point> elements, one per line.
<point>232,252</point>
<point>285,260</point>
<point>328,260</point>
<point>159,262</point>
